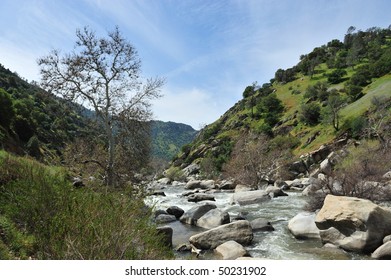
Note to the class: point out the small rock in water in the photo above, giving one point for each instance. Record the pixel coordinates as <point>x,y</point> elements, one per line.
<point>176,211</point>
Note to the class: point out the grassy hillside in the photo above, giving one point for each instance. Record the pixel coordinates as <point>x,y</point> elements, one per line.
<point>333,92</point>
<point>43,217</point>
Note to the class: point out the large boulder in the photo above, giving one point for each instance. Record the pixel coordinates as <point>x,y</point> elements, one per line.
<point>213,218</point>
<point>193,184</point>
<point>250,197</point>
<point>207,184</point>
<point>383,252</point>
<point>176,211</point>
<point>192,215</point>
<point>303,226</point>
<point>230,250</point>
<point>239,231</point>
<point>353,224</point>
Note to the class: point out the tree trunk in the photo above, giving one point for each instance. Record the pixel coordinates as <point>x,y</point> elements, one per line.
<point>111,148</point>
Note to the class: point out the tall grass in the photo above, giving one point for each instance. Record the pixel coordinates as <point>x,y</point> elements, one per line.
<point>55,221</point>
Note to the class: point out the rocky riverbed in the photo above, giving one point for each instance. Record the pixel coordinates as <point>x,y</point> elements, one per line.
<point>211,220</point>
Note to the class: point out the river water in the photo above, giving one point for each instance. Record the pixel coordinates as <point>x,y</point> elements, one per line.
<point>279,244</point>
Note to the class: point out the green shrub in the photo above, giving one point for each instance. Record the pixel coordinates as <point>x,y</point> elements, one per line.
<point>310,113</point>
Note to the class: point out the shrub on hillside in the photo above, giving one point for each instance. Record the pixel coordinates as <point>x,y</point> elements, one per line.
<point>310,113</point>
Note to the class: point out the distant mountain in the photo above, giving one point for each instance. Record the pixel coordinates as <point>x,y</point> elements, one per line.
<point>169,137</point>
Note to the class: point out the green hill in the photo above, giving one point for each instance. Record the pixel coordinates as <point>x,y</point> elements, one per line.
<point>340,90</point>
<point>169,137</point>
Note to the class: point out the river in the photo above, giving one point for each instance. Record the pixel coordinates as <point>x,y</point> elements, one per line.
<point>279,244</point>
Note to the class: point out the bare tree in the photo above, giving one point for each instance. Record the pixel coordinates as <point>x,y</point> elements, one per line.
<point>253,159</point>
<point>102,73</point>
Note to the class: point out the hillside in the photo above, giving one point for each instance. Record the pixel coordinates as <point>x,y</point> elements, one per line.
<point>37,123</point>
<point>341,90</point>
<point>169,137</point>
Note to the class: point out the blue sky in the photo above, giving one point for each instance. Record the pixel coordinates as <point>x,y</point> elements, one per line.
<point>208,51</point>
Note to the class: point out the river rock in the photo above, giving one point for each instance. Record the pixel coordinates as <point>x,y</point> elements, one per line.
<point>230,250</point>
<point>227,185</point>
<point>207,184</point>
<point>303,226</point>
<point>176,211</point>
<point>166,233</point>
<point>383,252</point>
<point>200,197</point>
<point>274,191</point>
<point>164,181</point>
<point>261,224</point>
<point>160,212</point>
<point>193,184</point>
<point>353,224</point>
<point>192,215</point>
<point>387,238</point>
<point>250,197</point>
<point>239,231</point>
<point>213,218</point>
<point>164,218</point>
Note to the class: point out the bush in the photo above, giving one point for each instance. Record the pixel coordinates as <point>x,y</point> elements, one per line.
<point>310,113</point>
<point>336,76</point>
<point>356,126</point>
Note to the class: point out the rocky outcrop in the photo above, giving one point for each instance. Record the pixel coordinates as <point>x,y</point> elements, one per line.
<point>303,226</point>
<point>239,231</point>
<point>192,215</point>
<point>230,250</point>
<point>213,218</point>
<point>353,224</point>
<point>250,197</point>
<point>191,169</point>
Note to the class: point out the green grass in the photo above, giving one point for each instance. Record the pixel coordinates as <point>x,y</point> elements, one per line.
<point>379,88</point>
<point>43,217</point>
